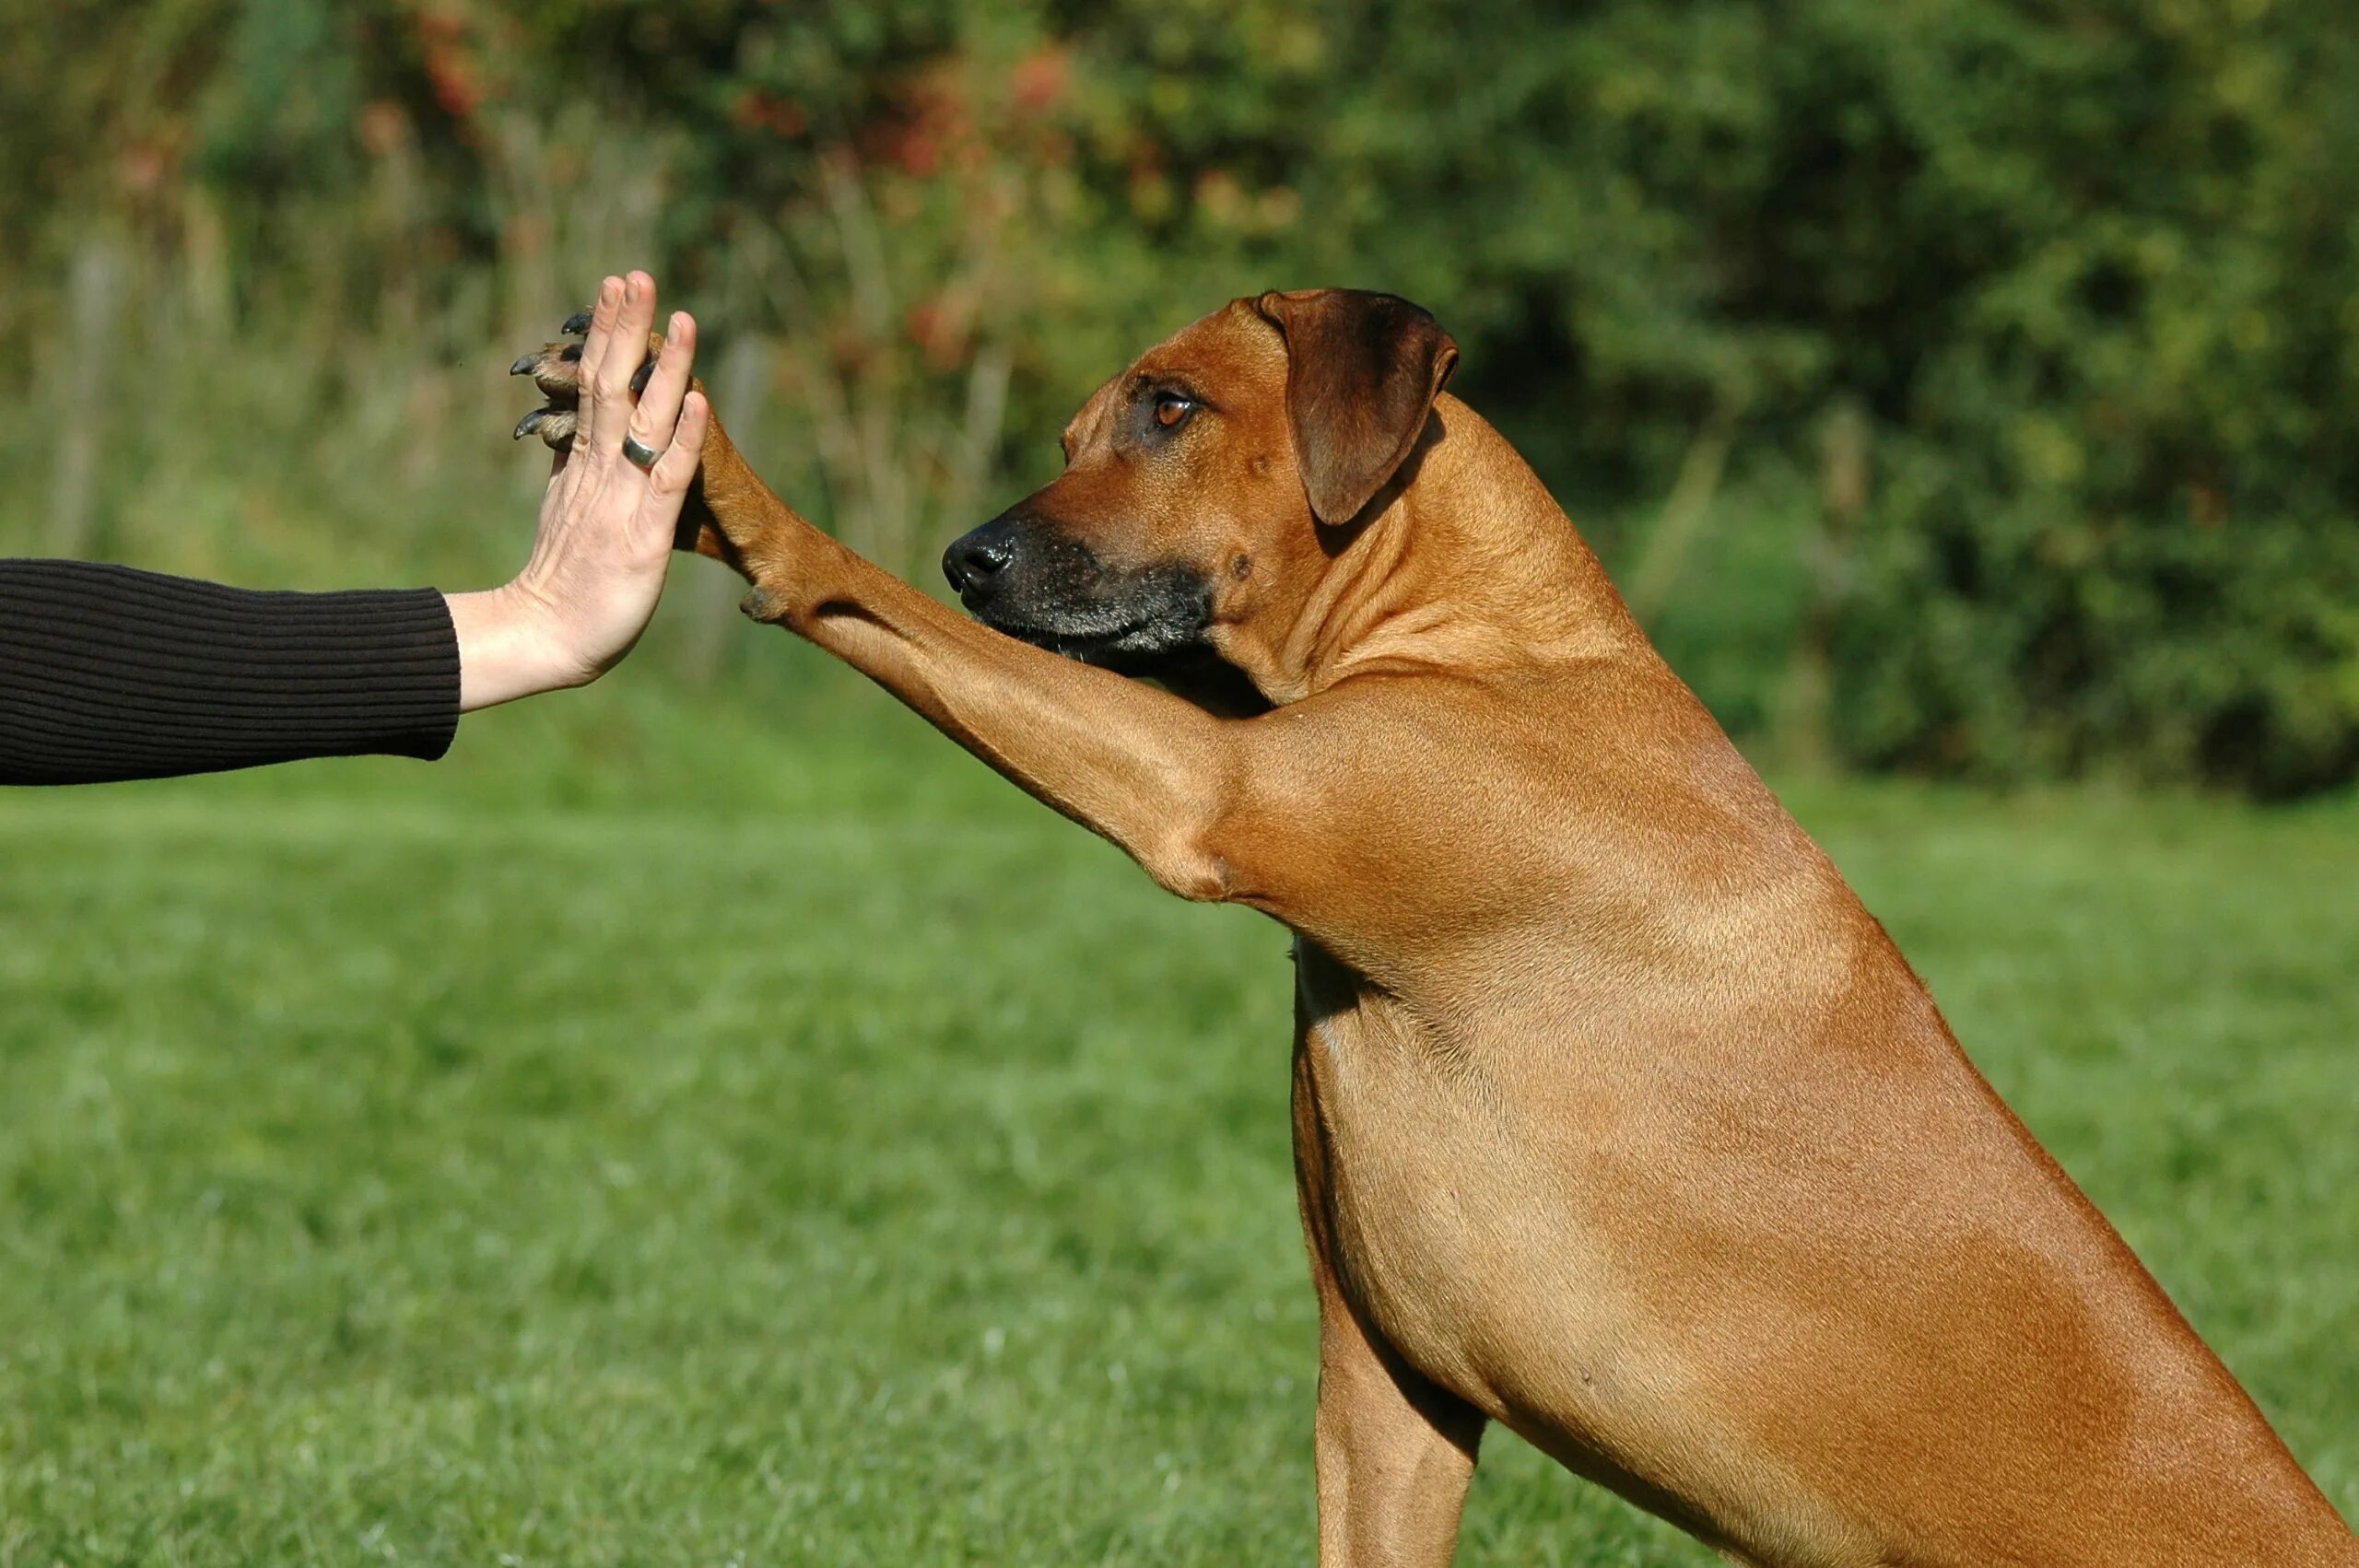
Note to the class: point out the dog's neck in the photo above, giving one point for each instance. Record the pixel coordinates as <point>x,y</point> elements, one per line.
<point>1463,562</point>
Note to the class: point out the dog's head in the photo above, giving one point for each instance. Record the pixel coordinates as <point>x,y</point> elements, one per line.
<point>1206,484</point>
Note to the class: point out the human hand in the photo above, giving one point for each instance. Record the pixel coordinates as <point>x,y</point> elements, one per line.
<point>607,526</point>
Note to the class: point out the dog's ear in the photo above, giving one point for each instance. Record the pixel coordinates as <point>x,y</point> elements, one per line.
<point>1362,373</point>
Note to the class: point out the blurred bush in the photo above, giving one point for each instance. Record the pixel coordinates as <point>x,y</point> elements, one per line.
<point>1956,385</point>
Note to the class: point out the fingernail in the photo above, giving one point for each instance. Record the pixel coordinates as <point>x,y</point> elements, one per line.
<point>611,289</point>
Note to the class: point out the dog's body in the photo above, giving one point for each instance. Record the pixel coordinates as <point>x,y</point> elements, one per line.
<point>1618,1120</point>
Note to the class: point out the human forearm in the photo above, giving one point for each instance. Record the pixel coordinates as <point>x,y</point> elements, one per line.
<point>108,674</point>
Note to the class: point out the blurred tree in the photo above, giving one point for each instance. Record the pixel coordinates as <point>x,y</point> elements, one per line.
<point>2081,271</point>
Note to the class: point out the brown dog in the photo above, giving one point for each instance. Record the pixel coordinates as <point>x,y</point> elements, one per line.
<point>1617,1119</point>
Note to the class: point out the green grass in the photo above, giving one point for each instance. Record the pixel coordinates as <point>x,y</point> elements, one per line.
<point>701,1137</point>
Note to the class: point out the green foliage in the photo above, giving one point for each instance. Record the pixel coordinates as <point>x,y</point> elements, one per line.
<point>2084,267</point>
<point>803,1149</point>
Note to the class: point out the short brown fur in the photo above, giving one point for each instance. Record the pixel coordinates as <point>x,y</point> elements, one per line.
<point>1618,1119</point>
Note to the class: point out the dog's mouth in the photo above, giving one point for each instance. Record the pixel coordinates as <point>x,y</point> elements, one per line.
<point>1157,615</point>
<point>1037,582</point>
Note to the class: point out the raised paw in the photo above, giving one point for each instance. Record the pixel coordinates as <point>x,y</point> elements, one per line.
<point>556,370</point>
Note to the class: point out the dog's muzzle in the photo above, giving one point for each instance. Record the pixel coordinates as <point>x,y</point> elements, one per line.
<point>1025,577</point>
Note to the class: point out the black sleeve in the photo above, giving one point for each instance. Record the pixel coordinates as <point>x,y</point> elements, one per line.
<point>106,672</point>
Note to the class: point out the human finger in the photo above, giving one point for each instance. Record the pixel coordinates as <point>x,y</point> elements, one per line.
<point>673,473</point>
<point>607,392</point>
<point>593,351</point>
<point>659,404</point>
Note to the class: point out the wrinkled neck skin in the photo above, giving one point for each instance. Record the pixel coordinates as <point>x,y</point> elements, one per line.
<point>1462,563</point>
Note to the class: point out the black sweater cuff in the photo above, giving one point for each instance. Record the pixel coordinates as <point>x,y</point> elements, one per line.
<point>108,674</point>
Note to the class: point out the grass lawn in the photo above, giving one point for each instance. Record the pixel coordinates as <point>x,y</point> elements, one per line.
<point>668,1138</point>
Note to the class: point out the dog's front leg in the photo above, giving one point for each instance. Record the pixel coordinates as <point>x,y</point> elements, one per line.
<point>1395,1451</point>
<point>1395,1455</point>
<point>1147,769</point>
<point>1196,799</point>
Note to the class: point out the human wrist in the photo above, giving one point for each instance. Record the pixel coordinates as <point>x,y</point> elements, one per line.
<point>507,646</point>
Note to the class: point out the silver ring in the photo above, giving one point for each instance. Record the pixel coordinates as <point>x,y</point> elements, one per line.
<point>640,452</point>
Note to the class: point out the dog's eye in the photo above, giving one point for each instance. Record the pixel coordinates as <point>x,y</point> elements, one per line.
<point>1170,408</point>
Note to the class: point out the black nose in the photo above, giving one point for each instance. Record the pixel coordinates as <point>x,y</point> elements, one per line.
<point>974,560</point>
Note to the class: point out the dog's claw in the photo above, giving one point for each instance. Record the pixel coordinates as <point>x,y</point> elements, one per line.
<point>556,368</point>
<point>762,605</point>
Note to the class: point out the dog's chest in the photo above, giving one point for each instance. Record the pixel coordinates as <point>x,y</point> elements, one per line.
<point>1486,1261</point>
<point>1411,1163</point>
